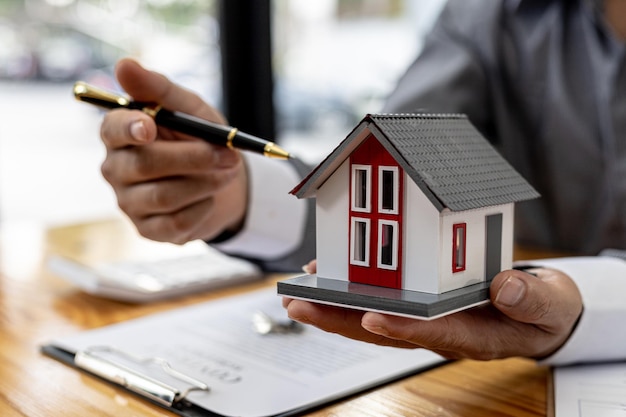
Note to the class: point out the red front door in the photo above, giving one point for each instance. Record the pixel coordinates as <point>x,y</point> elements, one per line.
<point>376,186</point>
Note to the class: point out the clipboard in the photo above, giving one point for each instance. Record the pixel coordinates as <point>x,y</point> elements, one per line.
<point>209,360</point>
<point>150,389</point>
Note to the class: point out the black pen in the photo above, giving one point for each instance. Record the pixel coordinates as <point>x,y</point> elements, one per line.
<point>181,122</point>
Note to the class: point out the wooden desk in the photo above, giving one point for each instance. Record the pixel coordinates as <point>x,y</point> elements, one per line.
<point>36,307</point>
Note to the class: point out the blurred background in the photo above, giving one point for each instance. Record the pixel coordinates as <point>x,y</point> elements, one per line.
<point>310,70</point>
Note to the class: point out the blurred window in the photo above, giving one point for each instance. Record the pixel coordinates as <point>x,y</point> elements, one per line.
<point>336,60</point>
<point>64,40</point>
<point>46,45</point>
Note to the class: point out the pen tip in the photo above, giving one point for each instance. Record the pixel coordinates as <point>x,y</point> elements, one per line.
<point>274,151</point>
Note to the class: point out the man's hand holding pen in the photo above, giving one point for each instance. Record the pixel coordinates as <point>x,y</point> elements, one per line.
<point>174,187</point>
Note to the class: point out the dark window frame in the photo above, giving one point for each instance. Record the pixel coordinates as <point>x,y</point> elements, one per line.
<point>247,74</point>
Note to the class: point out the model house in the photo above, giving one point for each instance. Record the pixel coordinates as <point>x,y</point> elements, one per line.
<point>414,202</point>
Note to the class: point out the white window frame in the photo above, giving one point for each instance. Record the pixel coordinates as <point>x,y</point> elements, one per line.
<point>368,188</point>
<point>396,191</point>
<point>394,254</point>
<point>366,241</point>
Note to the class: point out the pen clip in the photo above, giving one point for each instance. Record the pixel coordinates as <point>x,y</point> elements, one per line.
<point>146,386</point>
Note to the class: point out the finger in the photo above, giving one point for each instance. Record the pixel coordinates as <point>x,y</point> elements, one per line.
<point>483,334</point>
<point>286,301</point>
<point>459,335</point>
<point>164,159</point>
<point>339,320</point>
<point>170,195</point>
<point>311,267</point>
<point>150,86</point>
<point>178,227</point>
<point>123,127</point>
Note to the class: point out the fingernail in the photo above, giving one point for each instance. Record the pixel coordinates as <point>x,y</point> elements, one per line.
<point>511,292</point>
<point>138,131</point>
<point>379,330</point>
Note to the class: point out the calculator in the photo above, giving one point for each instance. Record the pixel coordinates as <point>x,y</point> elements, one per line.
<point>194,268</point>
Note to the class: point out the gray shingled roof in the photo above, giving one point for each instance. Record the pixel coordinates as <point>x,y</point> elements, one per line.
<point>443,154</point>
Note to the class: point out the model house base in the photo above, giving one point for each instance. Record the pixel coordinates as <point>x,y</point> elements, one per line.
<point>394,301</point>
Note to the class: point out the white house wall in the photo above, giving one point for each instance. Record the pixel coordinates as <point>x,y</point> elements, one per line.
<point>421,241</point>
<point>427,237</point>
<point>333,201</point>
<point>475,245</point>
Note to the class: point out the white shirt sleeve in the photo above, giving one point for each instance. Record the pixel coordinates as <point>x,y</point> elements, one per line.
<point>601,331</point>
<point>275,221</point>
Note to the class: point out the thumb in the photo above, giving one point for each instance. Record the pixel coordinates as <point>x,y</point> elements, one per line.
<point>547,298</point>
<point>149,86</point>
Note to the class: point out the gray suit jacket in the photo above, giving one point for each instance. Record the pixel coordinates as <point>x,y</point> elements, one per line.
<point>545,81</point>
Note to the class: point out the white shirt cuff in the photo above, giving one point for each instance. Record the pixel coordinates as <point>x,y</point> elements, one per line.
<point>275,220</point>
<point>601,331</point>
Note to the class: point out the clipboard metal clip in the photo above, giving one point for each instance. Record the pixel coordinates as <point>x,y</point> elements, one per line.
<point>93,361</point>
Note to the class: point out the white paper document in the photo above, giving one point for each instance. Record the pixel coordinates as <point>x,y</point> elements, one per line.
<point>590,391</point>
<point>248,373</point>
